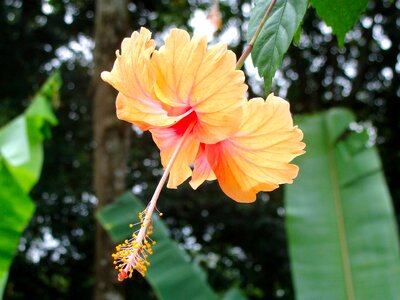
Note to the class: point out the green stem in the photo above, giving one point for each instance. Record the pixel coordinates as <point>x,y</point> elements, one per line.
<point>249,47</point>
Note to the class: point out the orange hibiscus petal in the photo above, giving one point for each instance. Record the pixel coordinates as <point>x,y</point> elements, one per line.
<point>127,110</point>
<point>190,76</point>
<point>257,157</point>
<point>133,76</point>
<point>202,170</point>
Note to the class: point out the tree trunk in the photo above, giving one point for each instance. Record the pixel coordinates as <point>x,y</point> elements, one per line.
<point>111,138</point>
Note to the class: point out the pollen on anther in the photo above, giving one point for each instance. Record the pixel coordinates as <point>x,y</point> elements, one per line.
<point>132,254</point>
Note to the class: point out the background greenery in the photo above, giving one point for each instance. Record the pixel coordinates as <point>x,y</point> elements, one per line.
<point>236,245</point>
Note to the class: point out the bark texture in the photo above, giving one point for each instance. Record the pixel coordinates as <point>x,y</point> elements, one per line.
<point>111,138</point>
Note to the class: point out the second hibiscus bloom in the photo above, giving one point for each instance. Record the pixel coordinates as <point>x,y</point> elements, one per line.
<point>186,90</point>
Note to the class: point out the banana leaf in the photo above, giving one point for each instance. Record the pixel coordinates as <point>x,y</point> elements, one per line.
<point>21,160</point>
<point>343,240</point>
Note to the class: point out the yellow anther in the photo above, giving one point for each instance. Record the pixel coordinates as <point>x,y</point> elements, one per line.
<point>132,254</point>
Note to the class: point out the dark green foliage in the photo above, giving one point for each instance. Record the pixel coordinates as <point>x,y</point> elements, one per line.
<point>276,35</point>
<point>341,15</point>
<point>215,230</point>
<point>30,39</point>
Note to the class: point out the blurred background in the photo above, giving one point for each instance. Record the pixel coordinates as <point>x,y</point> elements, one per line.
<point>238,245</point>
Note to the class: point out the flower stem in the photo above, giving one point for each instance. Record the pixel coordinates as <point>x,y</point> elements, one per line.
<point>152,204</point>
<point>250,45</point>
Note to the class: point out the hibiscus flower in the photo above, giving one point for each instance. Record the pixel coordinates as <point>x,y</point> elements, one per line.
<point>192,99</point>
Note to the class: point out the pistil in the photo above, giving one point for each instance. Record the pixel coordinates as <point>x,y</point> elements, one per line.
<point>132,254</point>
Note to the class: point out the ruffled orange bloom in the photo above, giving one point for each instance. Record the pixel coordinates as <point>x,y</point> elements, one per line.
<point>191,98</point>
<point>256,157</point>
<point>181,85</point>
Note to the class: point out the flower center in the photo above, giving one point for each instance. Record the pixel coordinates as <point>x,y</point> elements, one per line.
<point>190,120</point>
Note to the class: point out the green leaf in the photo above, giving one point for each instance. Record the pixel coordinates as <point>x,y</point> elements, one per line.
<point>171,274</point>
<point>343,241</point>
<point>3,281</point>
<point>21,139</point>
<point>275,36</point>
<point>297,35</point>
<point>21,159</point>
<point>340,15</point>
<point>16,209</point>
